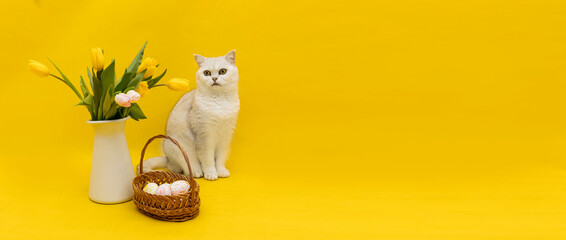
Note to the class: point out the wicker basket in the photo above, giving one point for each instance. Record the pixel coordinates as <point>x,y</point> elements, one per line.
<point>176,208</point>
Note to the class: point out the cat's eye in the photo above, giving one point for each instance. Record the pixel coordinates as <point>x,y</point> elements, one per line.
<point>222,71</point>
<point>206,73</point>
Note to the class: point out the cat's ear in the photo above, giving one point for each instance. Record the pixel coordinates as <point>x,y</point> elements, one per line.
<point>200,59</point>
<point>231,57</point>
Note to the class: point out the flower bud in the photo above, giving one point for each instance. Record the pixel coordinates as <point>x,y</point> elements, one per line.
<point>143,88</point>
<point>38,68</point>
<point>135,96</point>
<point>123,100</point>
<point>146,63</point>
<point>178,84</point>
<point>149,71</point>
<point>97,59</point>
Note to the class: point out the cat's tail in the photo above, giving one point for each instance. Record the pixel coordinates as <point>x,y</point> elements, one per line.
<point>153,163</point>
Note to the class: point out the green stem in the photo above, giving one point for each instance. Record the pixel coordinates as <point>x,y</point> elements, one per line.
<point>126,111</point>
<point>60,79</point>
<point>98,74</point>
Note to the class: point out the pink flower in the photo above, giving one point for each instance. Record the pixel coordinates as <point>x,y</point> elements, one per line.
<point>135,96</point>
<point>123,100</point>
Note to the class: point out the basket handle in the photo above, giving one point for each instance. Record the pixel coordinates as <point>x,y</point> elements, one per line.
<point>176,143</point>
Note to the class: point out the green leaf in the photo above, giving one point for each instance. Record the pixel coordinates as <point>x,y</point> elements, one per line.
<point>108,76</point>
<point>67,81</point>
<point>80,103</point>
<point>89,77</point>
<point>86,101</point>
<point>136,81</point>
<point>128,89</point>
<point>123,112</point>
<point>137,60</point>
<point>154,81</point>
<point>125,80</point>
<point>107,81</point>
<point>107,102</point>
<point>133,115</point>
<point>89,108</point>
<point>84,89</point>
<point>136,113</point>
<point>111,113</point>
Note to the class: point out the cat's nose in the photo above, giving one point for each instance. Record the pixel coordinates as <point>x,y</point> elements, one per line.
<point>214,79</point>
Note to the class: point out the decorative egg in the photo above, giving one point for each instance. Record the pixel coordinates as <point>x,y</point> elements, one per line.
<point>180,187</point>
<point>164,189</point>
<point>150,188</point>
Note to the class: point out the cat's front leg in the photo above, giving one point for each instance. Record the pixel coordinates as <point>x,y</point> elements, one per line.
<point>222,153</point>
<point>205,146</point>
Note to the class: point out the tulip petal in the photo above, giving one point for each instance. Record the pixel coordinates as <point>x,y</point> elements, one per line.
<point>178,84</point>
<point>38,68</point>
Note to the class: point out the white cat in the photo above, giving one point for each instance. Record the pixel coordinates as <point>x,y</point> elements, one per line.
<point>203,121</point>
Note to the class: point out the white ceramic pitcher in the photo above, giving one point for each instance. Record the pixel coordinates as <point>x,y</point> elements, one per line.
<point>111,172</point>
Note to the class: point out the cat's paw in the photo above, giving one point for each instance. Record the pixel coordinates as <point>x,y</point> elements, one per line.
<point>212,175</point>
<point>223,172</point>
<point>197,173</point>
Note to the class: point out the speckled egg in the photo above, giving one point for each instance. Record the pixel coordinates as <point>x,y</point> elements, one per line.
<point>164,189</point>
<point>150,188</point>
<point>180,187</point>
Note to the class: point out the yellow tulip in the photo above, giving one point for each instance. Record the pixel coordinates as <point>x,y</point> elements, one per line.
<point>178,84</point>
<point>149,71</point>
<point>97,59</point>
<point>147,62</point>
<point>38,68</point>
<point>142,89</point>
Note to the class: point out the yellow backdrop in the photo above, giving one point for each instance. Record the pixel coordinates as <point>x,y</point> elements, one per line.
<point>413,119</point>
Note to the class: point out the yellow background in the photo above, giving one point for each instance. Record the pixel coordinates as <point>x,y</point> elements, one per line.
<point>359,119</point>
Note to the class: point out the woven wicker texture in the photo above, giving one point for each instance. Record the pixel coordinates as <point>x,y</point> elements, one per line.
<point>176,208</point>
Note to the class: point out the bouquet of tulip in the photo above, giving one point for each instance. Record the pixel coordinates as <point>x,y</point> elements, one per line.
<point>108,99</point>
